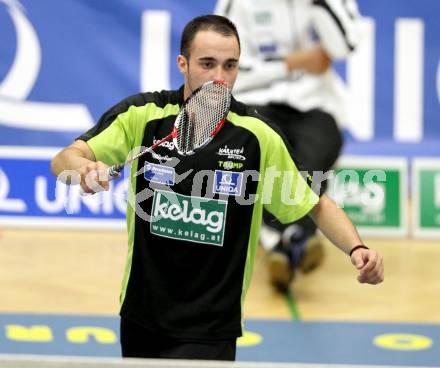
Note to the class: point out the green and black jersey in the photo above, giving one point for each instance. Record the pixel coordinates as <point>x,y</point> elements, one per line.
<point>193,222</point>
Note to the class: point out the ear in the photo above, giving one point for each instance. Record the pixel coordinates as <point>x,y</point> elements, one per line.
<point>182,64</point>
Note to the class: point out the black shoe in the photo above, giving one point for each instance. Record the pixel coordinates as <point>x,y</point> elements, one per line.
<point>313,254</point>
<point>286,257</point>
<point>281,272</point>
<point>304,254</point>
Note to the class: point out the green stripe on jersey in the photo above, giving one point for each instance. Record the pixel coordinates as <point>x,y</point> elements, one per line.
<point>113,146</point>
<point>279,198</point>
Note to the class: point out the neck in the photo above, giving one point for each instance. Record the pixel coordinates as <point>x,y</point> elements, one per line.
<point>186,91</point>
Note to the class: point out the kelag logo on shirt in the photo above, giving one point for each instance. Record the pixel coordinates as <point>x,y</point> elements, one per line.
<point>194,219</point>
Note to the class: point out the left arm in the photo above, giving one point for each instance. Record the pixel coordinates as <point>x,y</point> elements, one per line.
<point>338,228</point>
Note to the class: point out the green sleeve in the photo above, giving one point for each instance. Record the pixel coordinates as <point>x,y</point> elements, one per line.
<point>286,194</point>
<point>114,143</point>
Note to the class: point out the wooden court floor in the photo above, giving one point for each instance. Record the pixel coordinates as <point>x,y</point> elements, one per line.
<point>80,273</point>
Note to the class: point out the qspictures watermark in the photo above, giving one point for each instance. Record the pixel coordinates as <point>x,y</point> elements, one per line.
<point>288,187</point>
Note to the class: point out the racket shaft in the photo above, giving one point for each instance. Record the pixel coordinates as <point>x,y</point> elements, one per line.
<point>115,170</point>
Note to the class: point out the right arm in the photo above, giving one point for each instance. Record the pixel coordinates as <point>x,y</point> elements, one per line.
<point>72,158</point>
<point>83,161</point>
<point>77,164</point>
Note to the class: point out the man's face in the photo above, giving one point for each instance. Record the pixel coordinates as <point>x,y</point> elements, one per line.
<point>212,56</point>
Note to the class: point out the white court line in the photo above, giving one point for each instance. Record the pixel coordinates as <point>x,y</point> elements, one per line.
<point>38,361</point>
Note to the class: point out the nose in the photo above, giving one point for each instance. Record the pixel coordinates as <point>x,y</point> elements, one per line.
<point>219,74</point>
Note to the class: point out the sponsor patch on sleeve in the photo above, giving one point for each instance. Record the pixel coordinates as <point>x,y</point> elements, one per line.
<point>159,173</point>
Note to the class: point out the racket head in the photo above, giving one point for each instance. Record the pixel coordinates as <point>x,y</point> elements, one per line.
<point>201,117</point>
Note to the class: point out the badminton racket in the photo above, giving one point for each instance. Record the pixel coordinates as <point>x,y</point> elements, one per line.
<point>200,118</point>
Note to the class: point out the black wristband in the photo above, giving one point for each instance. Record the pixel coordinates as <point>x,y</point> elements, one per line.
<point>358,247</point>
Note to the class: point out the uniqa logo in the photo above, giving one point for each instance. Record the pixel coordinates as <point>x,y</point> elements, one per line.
<point>174,207</point>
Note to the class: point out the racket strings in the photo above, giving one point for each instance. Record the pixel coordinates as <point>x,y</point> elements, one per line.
<point>201,116</point>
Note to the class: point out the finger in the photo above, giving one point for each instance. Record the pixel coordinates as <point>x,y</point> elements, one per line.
<point>374,276</point>
<point>82,175</point>
<point>367,272</point>
<point>357,260</point>
<point>372,279</point>
<point>85,189</point>
<point>370,255</point>
<point>91,182</point>
<point>361,279</point>
<point>380,272</point>
<point>379,266</point>
<point>370,259</point>
<point>367,269</point>
<point>375,280</point>
<point>102,179</point>
<point>382,275</point>
<point>88,182</point>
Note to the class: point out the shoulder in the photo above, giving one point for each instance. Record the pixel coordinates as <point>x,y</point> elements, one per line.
<point>271,139</point>
<point>248,117</point>
<point>158,99</point>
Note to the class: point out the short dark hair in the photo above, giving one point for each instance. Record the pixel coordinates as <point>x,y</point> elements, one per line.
<point>211,22</point>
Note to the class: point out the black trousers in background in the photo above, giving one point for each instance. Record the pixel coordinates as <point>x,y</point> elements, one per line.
<point>316,141</point>
<point>138,342</point>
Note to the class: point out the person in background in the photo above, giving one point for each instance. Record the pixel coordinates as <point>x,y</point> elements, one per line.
<point>288,47</point>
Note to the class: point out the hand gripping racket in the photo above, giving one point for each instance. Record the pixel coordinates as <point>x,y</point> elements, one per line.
<point>201,117</point>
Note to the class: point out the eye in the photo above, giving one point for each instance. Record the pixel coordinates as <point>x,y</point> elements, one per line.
<point>207,64</point>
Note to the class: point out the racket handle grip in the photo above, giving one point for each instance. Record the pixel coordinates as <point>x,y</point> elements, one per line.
<point>82,193</point>
<point>115,171</point>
